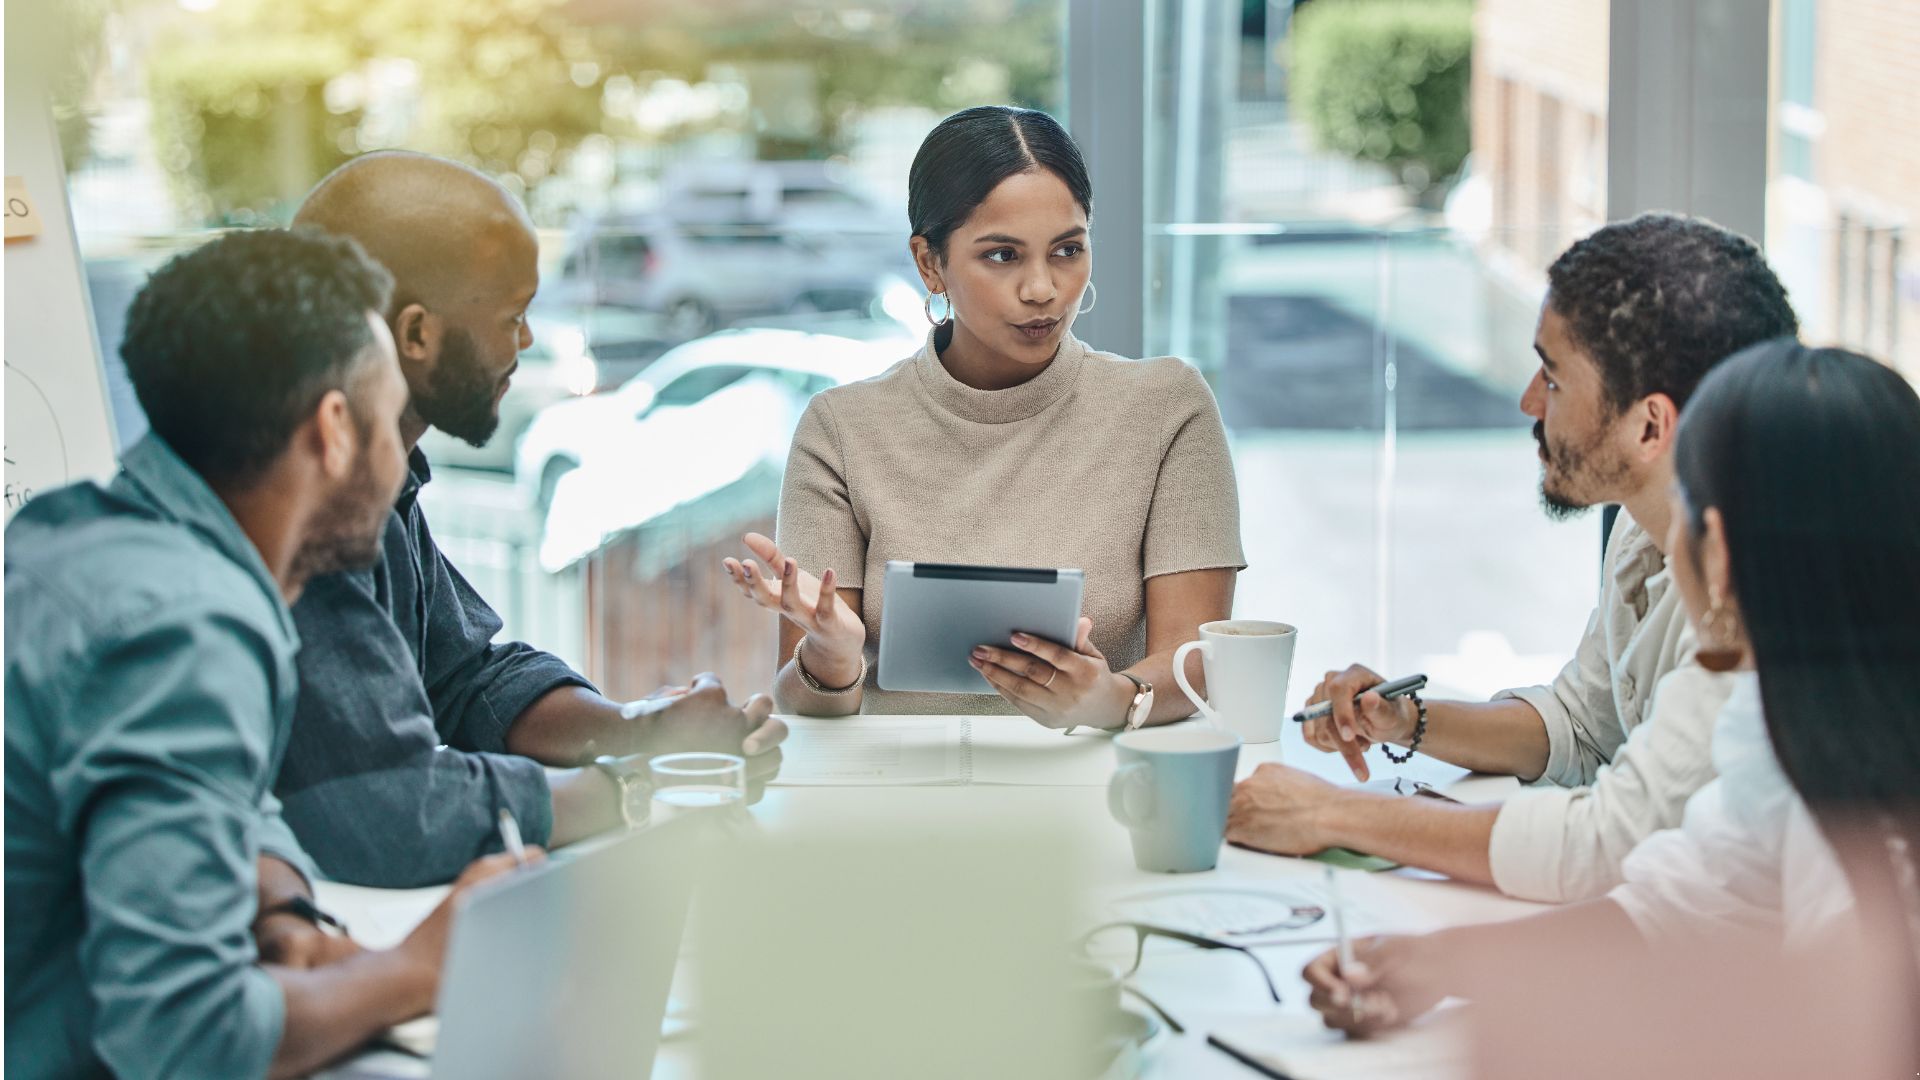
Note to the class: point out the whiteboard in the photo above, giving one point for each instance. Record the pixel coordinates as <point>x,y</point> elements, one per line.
<point>59,426</point>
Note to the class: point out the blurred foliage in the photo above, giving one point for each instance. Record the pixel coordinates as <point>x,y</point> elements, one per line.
<point>257,99</point>
<point>1386,81</point>
<point>940,54</point>
<point>242,134</point>
<point>252,108</point>
<point>60,46</point>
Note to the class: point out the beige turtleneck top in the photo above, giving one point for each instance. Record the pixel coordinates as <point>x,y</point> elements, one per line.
<point>1116,467</point>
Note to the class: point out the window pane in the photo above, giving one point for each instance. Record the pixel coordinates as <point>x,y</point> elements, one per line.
<point>726,177</point>
<point>1356,258</point>
<point>1844,189</point>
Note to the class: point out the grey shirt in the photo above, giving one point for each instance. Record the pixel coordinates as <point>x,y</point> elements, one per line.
<point>398,767</point>
<point>149,689</point>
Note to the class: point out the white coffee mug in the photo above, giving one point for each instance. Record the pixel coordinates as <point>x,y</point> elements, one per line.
<point>1247,662</point>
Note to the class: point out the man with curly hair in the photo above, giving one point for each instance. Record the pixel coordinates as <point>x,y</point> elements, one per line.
<point>160,920</point>
<point>1635,315</point>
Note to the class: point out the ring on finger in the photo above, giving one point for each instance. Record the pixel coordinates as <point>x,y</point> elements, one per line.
<point>1048,685</point>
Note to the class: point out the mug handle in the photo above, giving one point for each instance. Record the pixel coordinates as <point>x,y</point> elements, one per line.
<point>1180,676</point>
<point>1130,795</point>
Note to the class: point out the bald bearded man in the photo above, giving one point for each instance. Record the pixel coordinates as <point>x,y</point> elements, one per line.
<point>413,728</point>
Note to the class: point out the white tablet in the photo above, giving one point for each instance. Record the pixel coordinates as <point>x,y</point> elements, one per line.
<point>934,614</point>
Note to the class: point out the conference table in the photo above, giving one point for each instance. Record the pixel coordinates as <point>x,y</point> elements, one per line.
<point>1207,991</point>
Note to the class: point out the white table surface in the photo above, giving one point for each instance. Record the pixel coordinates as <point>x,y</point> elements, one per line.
<point>1206,991</point>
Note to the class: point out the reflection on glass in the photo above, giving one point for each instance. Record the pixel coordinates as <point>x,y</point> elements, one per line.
<point>1348,233</point>
<point>727,179</point>
<point>684,783</point>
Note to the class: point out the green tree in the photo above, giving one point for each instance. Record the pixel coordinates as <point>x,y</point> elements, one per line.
<point>251,110</point>
<point>242,133</point>
<point>935,54</point>
<point>259,99</point>
<point>1386,81</point>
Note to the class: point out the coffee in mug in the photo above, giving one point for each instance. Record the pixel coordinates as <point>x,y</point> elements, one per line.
<point>1247,663</point>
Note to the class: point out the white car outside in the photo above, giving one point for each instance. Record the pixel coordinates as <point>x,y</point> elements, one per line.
<point>697,419</point>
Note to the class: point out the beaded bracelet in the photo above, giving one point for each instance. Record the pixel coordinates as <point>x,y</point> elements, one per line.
<point>1419,732</point>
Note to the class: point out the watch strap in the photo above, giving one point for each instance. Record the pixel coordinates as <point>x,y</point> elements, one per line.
<point>1142,696</point>
<point>303,907</point>
<point>626,776</point>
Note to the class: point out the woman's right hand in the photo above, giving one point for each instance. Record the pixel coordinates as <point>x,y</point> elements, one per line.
<point>425,949</point>
<point>835,634</point>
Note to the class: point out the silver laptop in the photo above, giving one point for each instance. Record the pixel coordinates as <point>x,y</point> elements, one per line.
<point>564,971</point>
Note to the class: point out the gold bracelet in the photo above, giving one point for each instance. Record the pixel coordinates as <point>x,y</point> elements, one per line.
<point>814,684</point>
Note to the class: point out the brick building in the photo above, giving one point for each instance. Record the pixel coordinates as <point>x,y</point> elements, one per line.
<point>1539,102</point>
<point>1843,193</point>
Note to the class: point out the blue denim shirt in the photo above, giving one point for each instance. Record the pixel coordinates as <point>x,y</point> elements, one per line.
<point>150,685</point>
<point>397,770</point>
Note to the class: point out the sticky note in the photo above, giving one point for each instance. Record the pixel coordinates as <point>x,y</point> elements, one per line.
<point>23,219</point>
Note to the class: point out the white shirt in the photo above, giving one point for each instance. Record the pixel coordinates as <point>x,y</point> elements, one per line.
<point>1629,729</point>
<point>1748,853</point>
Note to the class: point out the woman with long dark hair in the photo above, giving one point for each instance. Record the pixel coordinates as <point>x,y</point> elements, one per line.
<point>1795,544</point>
<point>1799,476</point>
<point>1005,441</point>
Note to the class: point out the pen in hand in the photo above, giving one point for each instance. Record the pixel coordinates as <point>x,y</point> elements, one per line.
<point>1343,945</point>
<point>1393,688</point>
<point>510,837</point>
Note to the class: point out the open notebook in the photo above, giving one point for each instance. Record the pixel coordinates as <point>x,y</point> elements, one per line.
<point>859,751</point>
<point>1295,1046</point>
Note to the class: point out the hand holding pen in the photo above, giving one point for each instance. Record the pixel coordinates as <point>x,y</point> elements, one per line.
<point>1349,711</point>
<point>1379,984</point>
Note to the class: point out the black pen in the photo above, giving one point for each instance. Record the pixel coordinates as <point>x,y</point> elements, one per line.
<point>1397,688</point>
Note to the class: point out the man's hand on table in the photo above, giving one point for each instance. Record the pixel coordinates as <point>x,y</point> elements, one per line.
<point>1393,981</point>
<point>700,717</point>
<point>1280,809</point>
<point>761,770</point>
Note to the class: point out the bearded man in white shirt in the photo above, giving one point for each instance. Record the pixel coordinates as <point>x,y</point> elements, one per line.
<point>1635,316</point>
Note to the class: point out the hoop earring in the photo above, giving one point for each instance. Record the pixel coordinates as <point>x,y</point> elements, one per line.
<point>1721,647</point>
<point>1095,294</point>
<point>927,306</point>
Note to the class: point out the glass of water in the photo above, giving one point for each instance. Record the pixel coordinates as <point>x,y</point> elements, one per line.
<point>683,783</point>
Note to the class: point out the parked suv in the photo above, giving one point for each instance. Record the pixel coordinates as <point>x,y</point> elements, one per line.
<point>702,276</point>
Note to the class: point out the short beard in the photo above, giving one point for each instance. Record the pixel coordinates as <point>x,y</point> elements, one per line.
<point>348,529</point>
<point>459,397</point>
<point>1574,466</point>
<point>1558,508</point>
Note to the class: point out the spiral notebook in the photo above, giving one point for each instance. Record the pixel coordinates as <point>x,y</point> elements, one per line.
<point>862,751</point>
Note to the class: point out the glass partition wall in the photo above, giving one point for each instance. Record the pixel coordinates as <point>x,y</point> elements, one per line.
<point>1347,211</point>
<point>720,193</point>
<point>1350,212</point>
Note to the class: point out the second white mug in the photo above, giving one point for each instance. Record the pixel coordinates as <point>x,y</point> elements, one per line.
<point>1247,662</point>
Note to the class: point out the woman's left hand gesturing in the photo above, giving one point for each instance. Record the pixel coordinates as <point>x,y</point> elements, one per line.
<point>1058,686</point>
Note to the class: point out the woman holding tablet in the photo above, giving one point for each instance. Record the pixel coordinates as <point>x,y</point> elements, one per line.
<point>1007,442</point>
